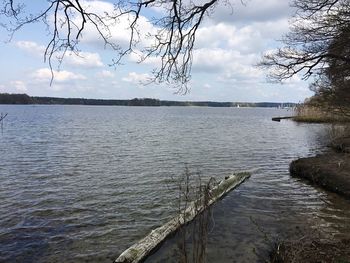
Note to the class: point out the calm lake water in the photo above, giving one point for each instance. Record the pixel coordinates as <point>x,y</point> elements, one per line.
<point>81,183</point>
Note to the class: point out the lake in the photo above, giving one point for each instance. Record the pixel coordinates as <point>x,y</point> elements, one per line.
<point>83,183</point>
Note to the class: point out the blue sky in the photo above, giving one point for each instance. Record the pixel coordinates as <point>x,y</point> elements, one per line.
<point>228,46</point>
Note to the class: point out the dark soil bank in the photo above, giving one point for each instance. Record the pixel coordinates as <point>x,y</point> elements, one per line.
<point>330,171</point>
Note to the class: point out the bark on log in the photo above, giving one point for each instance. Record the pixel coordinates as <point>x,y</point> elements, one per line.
<point>140,250</point>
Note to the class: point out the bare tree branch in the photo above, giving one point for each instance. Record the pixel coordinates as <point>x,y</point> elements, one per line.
<point>307,47</point>
<point>318,46</point>
<point>172,42</point>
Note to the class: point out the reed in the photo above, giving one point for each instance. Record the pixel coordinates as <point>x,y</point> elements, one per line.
<point>314,114</point>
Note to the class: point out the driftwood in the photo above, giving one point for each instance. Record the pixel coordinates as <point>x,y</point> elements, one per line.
<point>140,250</point>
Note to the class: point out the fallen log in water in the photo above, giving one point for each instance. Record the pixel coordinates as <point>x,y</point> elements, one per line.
<point>145,246</point>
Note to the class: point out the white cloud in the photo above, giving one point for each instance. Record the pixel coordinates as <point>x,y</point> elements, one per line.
<point>252,38</point>
<point>83,59</point>
<point>84,88</point>
<point>31,47</point>
<point>213,60</point>
<point>19,86</point>
<point>252,11</point>
<point>228,63</point>
<point>118,31</point>
<point>45,74</point>
<point>56,87</point>
<point>105,74</point>
<point>293,80</point>
<point>137,78</point>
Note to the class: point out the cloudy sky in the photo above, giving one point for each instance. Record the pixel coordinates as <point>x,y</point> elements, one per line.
<point>229,44</point>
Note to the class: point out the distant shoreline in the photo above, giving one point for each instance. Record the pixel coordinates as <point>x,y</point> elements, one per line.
<point>24,99</point>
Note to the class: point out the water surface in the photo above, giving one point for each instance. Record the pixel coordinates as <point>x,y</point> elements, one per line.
<point>81,183</point>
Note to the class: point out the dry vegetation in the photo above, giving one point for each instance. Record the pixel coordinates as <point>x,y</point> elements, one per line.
<point>307,249</point>
<point>317,114</point>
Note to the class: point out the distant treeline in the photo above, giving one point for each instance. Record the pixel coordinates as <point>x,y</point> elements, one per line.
<point>6,98</point>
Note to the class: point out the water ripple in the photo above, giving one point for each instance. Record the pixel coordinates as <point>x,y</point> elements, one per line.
<point>81,184</point>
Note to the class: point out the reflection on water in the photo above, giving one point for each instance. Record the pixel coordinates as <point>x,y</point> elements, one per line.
<point>83,183</point>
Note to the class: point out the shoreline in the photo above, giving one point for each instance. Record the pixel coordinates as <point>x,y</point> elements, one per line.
<point>330,170</point>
